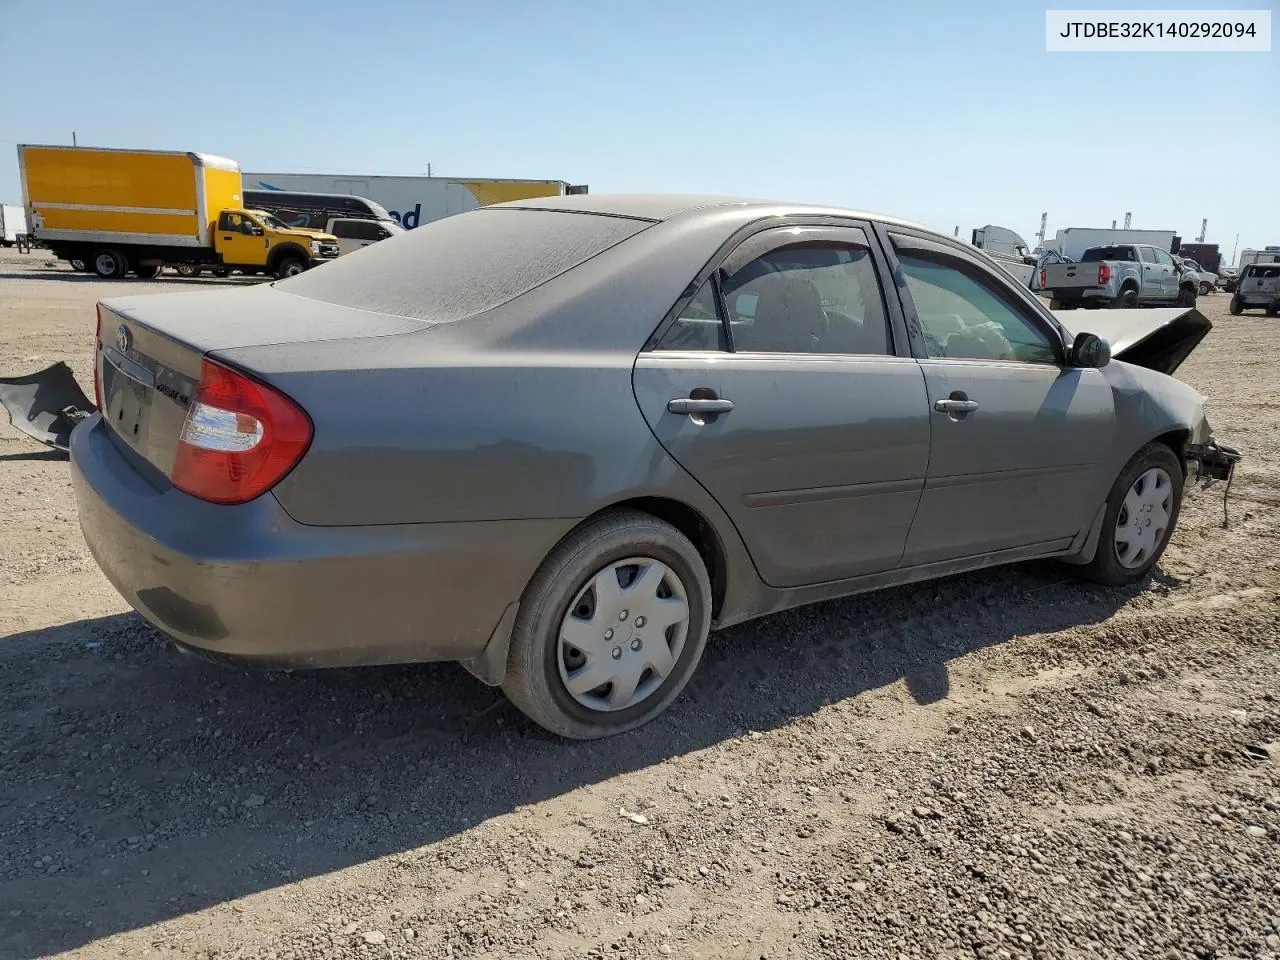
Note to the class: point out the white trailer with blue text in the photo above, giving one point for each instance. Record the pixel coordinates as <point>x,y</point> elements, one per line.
<point>413,201</point>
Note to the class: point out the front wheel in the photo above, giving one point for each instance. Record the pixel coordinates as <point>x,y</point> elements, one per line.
<point>1187,296</point>
<point>188,269</point>
<point>1141,514</point>
<point>80,266</point>
<point>1236,307</point>
<point>290,267</point>
<point>611,627</point>
<point>148,271</point>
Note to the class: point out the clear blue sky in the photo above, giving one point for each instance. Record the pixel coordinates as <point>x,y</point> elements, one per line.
<point>946,112</point>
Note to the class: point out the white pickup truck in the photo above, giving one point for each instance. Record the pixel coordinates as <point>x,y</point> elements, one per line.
<point>1121,275</point>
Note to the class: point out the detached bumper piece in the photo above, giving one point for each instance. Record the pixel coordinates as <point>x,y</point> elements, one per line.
<point>46,405</point>
<point>1215,461</point>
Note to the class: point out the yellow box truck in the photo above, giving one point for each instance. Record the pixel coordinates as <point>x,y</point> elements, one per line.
<point>122,211</point>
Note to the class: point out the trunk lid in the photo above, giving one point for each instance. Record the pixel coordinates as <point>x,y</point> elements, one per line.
<point>151,349</point>
<point>1158,339</point>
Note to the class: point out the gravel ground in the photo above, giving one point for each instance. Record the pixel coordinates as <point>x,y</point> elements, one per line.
<point>1004,764</point>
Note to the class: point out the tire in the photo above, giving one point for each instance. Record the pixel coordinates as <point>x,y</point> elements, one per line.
<point>1127,550</point>
<point>109,264</point>
<point>1055,304</point>
<point>290,267</point>
<point>1127,299</point>
<point>542,658</point>
<point>1187,296</point>
<point>1235,307</point>
<point>188,269</point>
<point>80,266</point>
<point>221,272</point>
<point>1273,310</point>
<point>148,272</point>
<point>1204,289</point>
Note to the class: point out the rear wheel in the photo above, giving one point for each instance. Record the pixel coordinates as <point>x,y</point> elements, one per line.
<point>610,628</point>
<point>188,269</point>
<point>1141,514</point>
<point>1236,306</point>
<point>1187,296</point>
<point>80,266</point>
<point>1204,288</point>
<point>1127,299</point>
<point>290,267</point>
<point>1273,310</point>
<point>110,264</point>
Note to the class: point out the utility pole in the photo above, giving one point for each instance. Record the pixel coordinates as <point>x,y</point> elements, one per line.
<point>1233,249</point>
<point>428,168</point>
<point>73,138</point>
<point>957,233</point>
<point>1044,219</point>
<point>1204,226</point>
<point>1128,218</point>
<point>1113,224</point>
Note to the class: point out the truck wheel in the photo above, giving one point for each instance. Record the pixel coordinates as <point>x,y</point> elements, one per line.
<point>1127,300</point>
<point>110,264</point>
<point>188,269</point>
<point>1204,288</point>
<point>289,267</point>
<point>148,272</point>
<point>221,272</point>
<point>1187,296</point>
<point>1235,307</point>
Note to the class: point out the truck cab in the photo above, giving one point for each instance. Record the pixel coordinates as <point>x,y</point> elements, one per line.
<point>254,241</point>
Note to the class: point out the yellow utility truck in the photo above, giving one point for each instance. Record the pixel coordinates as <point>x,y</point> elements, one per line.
<point>122,211</point>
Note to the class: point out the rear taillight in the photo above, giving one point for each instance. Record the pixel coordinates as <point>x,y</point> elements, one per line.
<point>1104,273</point>
<point>97,359</point>
<point>240,437</point>
<point>1044,278</point>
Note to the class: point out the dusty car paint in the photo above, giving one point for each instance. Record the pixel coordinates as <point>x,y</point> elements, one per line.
<point>449,458</point>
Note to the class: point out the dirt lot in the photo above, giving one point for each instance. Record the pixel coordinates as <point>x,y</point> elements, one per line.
<point>1004,764</point>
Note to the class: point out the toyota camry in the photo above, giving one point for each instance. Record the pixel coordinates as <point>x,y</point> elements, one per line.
<point>559,440</point>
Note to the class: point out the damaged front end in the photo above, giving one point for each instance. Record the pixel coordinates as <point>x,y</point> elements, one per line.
<point>1161,339</point>
<point>46,405</point>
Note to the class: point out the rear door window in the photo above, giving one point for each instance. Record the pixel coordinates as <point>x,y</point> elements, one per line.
<point>465,264</point>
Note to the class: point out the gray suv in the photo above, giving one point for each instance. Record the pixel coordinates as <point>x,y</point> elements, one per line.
<point>1258,286</point>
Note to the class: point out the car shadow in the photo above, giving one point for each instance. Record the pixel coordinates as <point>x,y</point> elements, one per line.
<point>142,784</point>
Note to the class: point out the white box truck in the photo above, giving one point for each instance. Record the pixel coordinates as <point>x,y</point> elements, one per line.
<point>13,221</point>
<point>413,201</point>
<point>1074,241</point>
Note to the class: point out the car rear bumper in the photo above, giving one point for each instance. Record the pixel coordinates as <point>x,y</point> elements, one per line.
<point>249,583</point>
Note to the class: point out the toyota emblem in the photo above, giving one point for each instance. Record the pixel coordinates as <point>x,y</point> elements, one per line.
<point>123,338</point>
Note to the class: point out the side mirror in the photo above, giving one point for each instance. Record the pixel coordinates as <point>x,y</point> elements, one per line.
<point>1090,350</point>
<point>256,231</point>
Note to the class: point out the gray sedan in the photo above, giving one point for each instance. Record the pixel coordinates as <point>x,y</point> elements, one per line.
<point>559,440</point>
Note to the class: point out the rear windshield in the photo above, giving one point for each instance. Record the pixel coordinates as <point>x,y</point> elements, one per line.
<point>462,265</point>
<point>1268,273</point>
<point>1094,254</point>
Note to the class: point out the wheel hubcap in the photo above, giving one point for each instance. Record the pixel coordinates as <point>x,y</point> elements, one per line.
<point>623,634</point>
<point>1144,518</point>
<point>106,263</point>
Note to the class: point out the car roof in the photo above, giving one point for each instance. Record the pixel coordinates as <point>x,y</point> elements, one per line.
<point>669,206</point>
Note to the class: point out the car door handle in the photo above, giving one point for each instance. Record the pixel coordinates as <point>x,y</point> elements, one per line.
<point>955,406</point>
<point>690,406</point>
